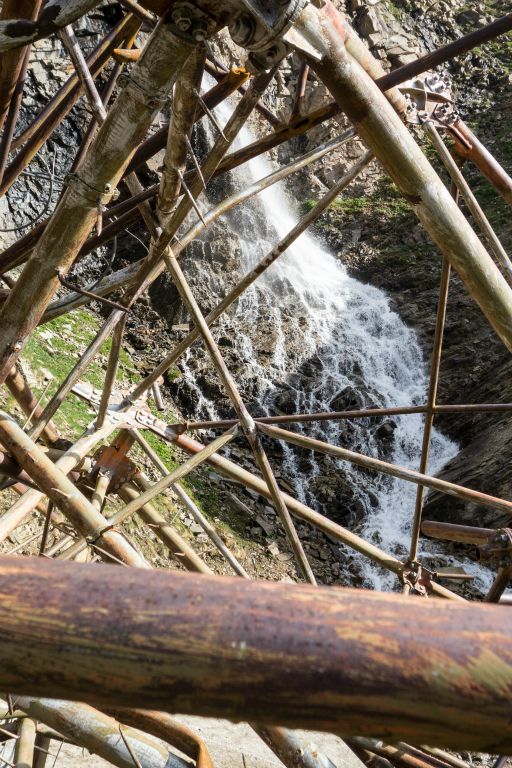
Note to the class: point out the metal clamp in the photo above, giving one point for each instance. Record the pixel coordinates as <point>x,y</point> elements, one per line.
<point>94,195</point>
<point>150,99</point>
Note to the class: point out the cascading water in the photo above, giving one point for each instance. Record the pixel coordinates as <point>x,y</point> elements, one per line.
<point>332,338</point>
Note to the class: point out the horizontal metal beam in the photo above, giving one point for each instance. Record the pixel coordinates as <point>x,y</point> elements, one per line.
<point>351,662</point>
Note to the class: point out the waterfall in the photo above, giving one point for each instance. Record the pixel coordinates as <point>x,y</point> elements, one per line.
<point>333,340</point>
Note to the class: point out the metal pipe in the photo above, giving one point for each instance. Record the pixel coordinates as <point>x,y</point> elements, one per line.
<point>19,388</point>
<point>435,366</point>
<point>465,534</point>
<point>184,108</point>
<point>377,465</point>
<point>64,494</point>
<point>11,62</point>
<point>303,512</point>
<point>345,661</point>
<point>126,125</point>
<point>24,748</point>
<point>246,420</point>
<point>100,733</point>
<point>138,502</point>
<point>383,132</point>
<point>472,149</point>
<point>470,200</point>
<point>190,506</point>
<point>258,270</point>
<point>33,138</point>
<point>73,457</point>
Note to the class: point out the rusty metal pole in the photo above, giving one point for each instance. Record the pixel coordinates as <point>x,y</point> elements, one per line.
<point>55,14</point>
<point>64,494</point>
<point>246,420</point>
<point>340,660</point>
<point>382,130</point>
<point>464,534</point>
<point>100,733</point>
<point>472,149</point>
<point>24,749</point>
<point>472,203</point>
<point>126,125</point>
<point>377,465</point>
<point>435,366</point>
<point>11,62</point>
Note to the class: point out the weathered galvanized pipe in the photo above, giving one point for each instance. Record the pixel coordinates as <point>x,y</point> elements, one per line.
<point>126,125</point>
<point>345,661</point>
<point>383,132</point>
<point>100,733</point>
<point>472,149</point>
<point>54,15</point>
<point>465,534</point>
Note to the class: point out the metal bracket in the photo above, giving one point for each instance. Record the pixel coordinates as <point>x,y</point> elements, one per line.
<point>418,579</point>
<point>429,97</point>
<point>150,99</point>
<point>262,30</point>
<point>498,549</point>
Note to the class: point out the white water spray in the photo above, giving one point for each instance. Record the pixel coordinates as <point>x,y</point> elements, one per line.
<point>332,335</point>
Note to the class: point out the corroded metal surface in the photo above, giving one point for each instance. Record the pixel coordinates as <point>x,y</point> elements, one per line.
<point>345,661</point>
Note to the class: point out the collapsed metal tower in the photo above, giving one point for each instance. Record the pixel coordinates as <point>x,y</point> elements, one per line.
<point>381,671</point>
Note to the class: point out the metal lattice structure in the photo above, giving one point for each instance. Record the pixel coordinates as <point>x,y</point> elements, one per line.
<point>365,666</point>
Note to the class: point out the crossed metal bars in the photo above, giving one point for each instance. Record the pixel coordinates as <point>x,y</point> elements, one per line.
<point>176,54</point>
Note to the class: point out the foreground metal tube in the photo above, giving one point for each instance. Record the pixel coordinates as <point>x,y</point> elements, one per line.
<point>100,733</point>
<point>347,661</point>
<point>383,132</point>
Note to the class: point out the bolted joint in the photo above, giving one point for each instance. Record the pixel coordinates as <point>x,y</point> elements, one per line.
<point>264,22</point>
<point>498,549</point>
<point>191,23</point>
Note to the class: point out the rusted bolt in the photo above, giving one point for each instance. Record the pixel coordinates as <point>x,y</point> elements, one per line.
<point>242,29</point>
<point>182,20</point>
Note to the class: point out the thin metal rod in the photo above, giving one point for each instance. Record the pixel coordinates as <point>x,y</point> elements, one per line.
<point>469,198</point>
<point>499,585</point>
<point>402,473</point>
<point>251,276</point>
<point>112,368</point>
<point>68,37</point>
<point>191,507</point>
<point>159,487</point>
<point>245,418</point>
<point>435,366</point>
